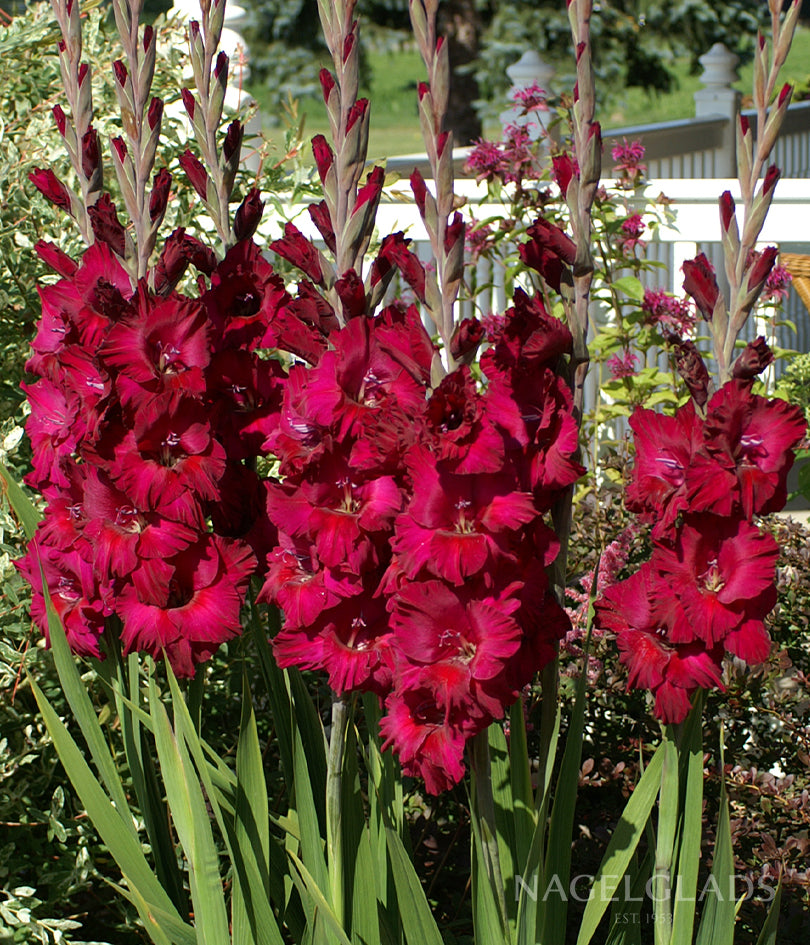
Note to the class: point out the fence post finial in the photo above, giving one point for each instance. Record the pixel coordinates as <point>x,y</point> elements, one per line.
<point>718,99</point>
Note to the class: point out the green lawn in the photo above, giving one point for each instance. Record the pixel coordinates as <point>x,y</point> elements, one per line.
<point>395,125</point>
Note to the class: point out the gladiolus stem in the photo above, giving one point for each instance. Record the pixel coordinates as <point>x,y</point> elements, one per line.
<point>341,714</point>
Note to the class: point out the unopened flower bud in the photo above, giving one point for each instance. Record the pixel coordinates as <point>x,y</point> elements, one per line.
<point>753,360</point>
<point>701,283</point>
<point>233,140</point>
<point>466,339</point>
<point>189,101</point>
<point>159,197</point>
<point>248,215</point>
<point>155,113</point>
<point>49,185</point>
<point>120,148</point>
<point>692,368</point>
<point>727,210</point>
<point>60,119</point>
<point>196,173</point>
<point>106,226</point>
<point>327,81</point>
<point>120,72</point>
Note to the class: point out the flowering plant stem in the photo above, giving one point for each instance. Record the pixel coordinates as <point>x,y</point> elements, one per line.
<point>336,759</point>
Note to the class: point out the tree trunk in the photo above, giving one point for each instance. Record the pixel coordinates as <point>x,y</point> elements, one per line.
<point>460,24</point>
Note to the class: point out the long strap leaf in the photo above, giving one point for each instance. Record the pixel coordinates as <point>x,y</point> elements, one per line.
<point>157,910</point>
<point>190,817</point>
<point>622,845</point>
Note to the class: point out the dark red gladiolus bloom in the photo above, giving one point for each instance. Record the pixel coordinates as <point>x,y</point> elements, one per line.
<point>75,596</point>
<point>672,672</point>
<point>319,214</point>
<point>456,525</point>
<point>54,257</point>
<point>665,450</point>
<point>719,570</point>
<point>427,734</point>
<point>752,360</point>
<point>350,641</point>
<point>297,249</point>
<point>751,440</point>
<point>548,252</point>
<point>452,635</point>
<point>187,605</point>
<point>169,453</point>
<point>245,297</point>
<point>165,348</point>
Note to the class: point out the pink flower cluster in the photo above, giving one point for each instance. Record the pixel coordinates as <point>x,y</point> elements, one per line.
<point>777,286</point>
<point>628,167</point>
<point>710,582</point>
<point>513,160</point>
<point>669,313</point>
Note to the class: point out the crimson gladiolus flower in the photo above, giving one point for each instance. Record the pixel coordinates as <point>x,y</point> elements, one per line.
<point>665,450</point>
<point>455,525</point>
<point>720,571</point>
<point>672,672</point>
<point>549,251</point>
<point>164,349</point>
<point>244,298</point>
<point>188,605</point>
<point>351,642</point>
<point>459,637</point>
<point>170,454</point>
<point>751,440</point>
<point>75,595</point>
<point>122,535</point>
<point>459,427</point>
<point>427,734</point>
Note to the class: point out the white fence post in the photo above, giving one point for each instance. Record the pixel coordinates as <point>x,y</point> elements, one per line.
<point>529,70</point>
<point>717,99</point>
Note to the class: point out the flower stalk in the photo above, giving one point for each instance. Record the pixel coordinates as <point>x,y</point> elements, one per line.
<point>439,212</point>
<point>336,757</point>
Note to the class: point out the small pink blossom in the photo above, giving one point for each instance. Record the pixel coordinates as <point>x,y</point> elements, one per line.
<point>677,315</point>
<point>777,286</point>
<point>631,231</point>
<point>627,163</point>
<point>622,365</point>
<point>532,98</point>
